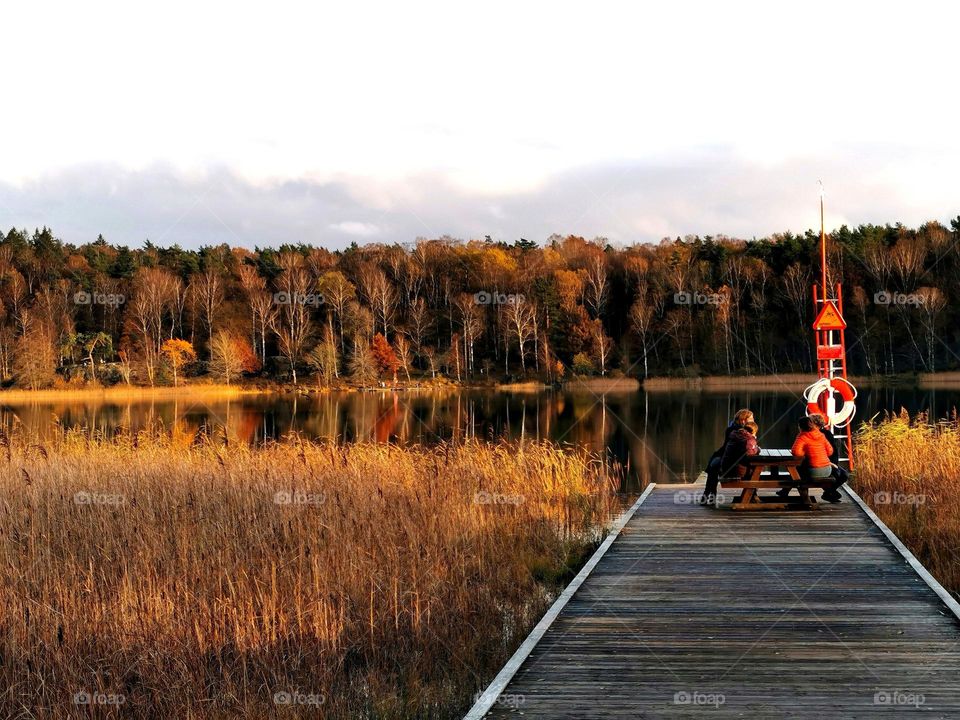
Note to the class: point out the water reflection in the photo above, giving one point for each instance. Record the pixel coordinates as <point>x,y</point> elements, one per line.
<point>662,437</point>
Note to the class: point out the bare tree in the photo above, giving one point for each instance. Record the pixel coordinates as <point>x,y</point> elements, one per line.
<point>254,287</point>
<point>376,289</point>
<point>470,319</point>
<point>641,319</point>
<point>229,355</point>
<point>293,324</point>
<point>402,347</point>
<point>35,358</point>
<point>596,287</point>
<point>337,293</point>
<point>419,323</point>
<point>932,303</point>
<point>362,366</point>
<point>208,290</point>
<point>153,292</point>
<point>518,318</point>
<point>602,345</point>
<point>323,360</point>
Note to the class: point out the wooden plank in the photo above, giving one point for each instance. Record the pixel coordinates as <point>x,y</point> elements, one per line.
<point>781,614</point>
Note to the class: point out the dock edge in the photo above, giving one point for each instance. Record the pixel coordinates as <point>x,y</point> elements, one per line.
<point>911,559</point>
<point>489,696</point>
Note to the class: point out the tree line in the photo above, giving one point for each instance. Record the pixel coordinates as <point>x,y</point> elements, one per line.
<point>470,311</point>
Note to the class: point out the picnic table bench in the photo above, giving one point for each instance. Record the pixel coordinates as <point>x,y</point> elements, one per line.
<point>763,473</point>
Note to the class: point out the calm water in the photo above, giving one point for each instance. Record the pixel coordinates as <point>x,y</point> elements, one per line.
<point>659,436</point>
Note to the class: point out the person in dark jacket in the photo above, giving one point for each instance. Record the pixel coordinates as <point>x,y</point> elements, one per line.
<point>740,419</point>
<point>742,444</point>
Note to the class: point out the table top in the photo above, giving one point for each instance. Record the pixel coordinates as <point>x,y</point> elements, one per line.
<point>775,456</point>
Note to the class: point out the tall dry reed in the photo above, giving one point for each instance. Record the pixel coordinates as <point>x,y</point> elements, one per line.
<point>212,581</point>
<point>908,471</point>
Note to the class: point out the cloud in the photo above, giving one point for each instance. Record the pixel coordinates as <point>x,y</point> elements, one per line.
<point>710,191</point>
<point>360,229</point>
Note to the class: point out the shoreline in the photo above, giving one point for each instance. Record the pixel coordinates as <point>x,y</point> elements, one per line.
<point>791,382</point>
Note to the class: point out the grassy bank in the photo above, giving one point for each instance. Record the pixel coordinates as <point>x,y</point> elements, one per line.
<point>603,385</point>
<point>908,471</point>
<point>291,581</point>
<point>124,393</point>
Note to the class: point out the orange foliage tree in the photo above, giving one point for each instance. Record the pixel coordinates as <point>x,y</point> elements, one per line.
<point>384,356</point>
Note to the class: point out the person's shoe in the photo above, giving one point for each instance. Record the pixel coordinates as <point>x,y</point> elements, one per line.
<point>832,496</point>
<point>784,492</point>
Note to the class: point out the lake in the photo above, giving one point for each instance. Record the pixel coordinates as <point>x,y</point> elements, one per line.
<point>662,437</point>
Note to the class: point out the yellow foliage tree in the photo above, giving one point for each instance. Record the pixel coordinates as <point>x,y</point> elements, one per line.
<point>178,354</point>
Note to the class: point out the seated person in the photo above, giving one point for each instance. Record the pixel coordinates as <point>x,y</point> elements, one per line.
<point>813,446</point>
<point>839,474</point>
<point>741,442</point>
<point>713,464</point>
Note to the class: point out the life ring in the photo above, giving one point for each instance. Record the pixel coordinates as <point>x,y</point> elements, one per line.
<point>847,392</point>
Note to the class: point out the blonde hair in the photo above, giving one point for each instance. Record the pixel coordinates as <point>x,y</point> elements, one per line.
<point>818,420</point>
<point>743,417</point>
<point>752,427</point>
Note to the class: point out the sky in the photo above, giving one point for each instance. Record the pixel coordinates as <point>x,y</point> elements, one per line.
<point>257,124</point>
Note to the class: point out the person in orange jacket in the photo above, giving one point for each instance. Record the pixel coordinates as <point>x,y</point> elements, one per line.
<point>815,449</point>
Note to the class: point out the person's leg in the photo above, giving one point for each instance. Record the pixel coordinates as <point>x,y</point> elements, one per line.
<point>713,479</point>
<point>840,476</point>
<point>824,474</point>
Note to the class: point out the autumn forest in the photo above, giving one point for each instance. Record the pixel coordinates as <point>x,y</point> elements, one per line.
<point>473,311</point>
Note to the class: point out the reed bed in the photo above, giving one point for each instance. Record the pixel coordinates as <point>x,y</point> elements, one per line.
<point>908,471</point>
<point>294,580</point>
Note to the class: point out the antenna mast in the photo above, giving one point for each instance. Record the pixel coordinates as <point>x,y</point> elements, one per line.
<point>832,395</point>
<point>823,249</point>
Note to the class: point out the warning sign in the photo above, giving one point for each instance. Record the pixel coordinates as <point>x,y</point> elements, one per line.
<point>829,319</point>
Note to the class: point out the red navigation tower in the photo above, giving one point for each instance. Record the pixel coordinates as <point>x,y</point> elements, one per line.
<point>832,394</point>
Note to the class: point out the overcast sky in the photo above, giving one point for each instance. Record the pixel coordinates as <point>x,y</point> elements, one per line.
<point>257,124</point>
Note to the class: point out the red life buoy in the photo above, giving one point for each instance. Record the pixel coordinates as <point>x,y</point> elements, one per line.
<point>847,392</point>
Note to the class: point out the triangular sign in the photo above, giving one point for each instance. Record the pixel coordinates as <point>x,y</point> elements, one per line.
<point>829,318</point>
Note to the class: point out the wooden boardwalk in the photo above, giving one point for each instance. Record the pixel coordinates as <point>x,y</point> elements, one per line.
<point>701,612</point>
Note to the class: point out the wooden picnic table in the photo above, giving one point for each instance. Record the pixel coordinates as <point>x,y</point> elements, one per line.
<point>773,460</point>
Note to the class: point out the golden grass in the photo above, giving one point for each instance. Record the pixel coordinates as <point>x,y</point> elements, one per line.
<point>122,392</point>
<point>603,384</point>
<point>908,471</point>
<point>384,582</point>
